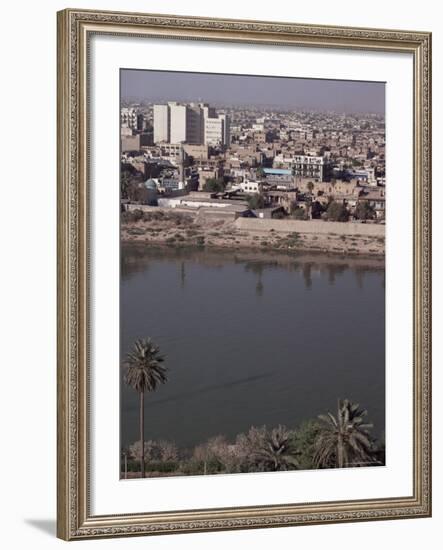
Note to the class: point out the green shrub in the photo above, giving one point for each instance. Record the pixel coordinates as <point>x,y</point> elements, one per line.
<point>162,467</point>
<point>299,214</point>
<point>192,467</point>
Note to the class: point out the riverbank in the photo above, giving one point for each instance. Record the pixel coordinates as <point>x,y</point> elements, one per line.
<point>162,227</point>
<point>137,255</point>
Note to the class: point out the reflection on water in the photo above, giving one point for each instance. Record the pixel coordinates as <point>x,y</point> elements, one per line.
<point>251,338</point>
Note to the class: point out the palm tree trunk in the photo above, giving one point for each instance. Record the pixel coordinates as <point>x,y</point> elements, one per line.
<point>340,438</point>
<point>142,433</point>
<point>340,452</point>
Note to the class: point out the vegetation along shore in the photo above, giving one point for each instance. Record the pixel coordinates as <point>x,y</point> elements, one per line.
<point>339,439</point>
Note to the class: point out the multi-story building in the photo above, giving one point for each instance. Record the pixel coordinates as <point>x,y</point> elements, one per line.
<point>195,127</point>
<point>171,151</point>
<point>130,118</point>
<point>161,124</point>
<point>196,124</point>
<point>308,167</point>
<point>126,131</point>
<point>216,131</point>
<point>251,186</point>
<point>177,122</point>
<point>259,138</point>
<point>130,143</point>
<point>279,178</point>
<point>198,152</point>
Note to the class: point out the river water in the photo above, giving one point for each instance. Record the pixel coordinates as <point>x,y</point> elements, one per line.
<point>251,338</point>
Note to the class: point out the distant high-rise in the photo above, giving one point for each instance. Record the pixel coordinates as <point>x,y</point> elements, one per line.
<point>217,131</point>
<point>177,122</point>
<point>195,124</point>
<point>161,124</point>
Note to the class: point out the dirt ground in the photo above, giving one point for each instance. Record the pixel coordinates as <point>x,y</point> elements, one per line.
<point>178,228</point>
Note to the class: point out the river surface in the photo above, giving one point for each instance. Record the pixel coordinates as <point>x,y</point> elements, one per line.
<point>251,338</point>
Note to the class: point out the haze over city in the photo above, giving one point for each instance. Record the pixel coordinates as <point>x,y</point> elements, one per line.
<point>281,92</point>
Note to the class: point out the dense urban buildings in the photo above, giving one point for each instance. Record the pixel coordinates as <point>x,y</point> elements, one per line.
<point>301,164</point>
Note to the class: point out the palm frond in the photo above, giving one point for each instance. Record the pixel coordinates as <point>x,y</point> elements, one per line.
<point>144,366</point>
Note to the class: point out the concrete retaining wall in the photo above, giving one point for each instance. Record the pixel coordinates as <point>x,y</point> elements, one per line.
<point>313,226</point>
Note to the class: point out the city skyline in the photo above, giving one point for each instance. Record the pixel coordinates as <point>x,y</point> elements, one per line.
<point>349,97</point>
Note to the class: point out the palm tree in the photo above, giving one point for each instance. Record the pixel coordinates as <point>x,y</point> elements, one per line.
<point>344,440</point>
<point>144,372</point>
<point>273,450</point>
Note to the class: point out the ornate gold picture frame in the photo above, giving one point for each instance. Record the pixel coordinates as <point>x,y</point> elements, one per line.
<point>74,517</point>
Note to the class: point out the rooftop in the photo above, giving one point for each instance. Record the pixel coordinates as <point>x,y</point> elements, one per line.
<point>277,171</point>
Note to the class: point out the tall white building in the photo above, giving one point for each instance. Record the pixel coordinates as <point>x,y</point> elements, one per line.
<point>177,122</point>
<point>308,166</point>
<point>161,124</point>
<point>195,124</point>
<point>217,131</point>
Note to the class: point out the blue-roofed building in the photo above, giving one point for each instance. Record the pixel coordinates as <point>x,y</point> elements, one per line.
<point>277,171</point>
<point>280,177</point>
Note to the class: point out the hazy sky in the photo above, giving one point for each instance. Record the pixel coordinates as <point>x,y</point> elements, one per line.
<point>302,93</point>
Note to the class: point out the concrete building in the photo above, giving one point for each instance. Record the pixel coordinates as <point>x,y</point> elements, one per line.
<point>130,118</point>
<point>376,200</point>
<point>216,127</point>
<point>309,167</point>
<point>177,122</point>
<point>171,151</point>
<point>205,204</point>
<point>279,178</point>
<point>193,124</point>
<point>197,152</point>
<point>126,131</point>
<point>217,131</point>
<point>208,112</point>
<point>250,186</point>
<point>259,138</point>
<point>130,143</point>
<point>367,175</point>
<point>161,124</point>
<point>205,173</point>
<point>305,166</point>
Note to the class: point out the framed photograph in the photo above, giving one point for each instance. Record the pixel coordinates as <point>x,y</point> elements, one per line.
<point>243,274</point>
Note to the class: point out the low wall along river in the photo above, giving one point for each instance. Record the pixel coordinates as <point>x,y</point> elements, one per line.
<point>310,227</point>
